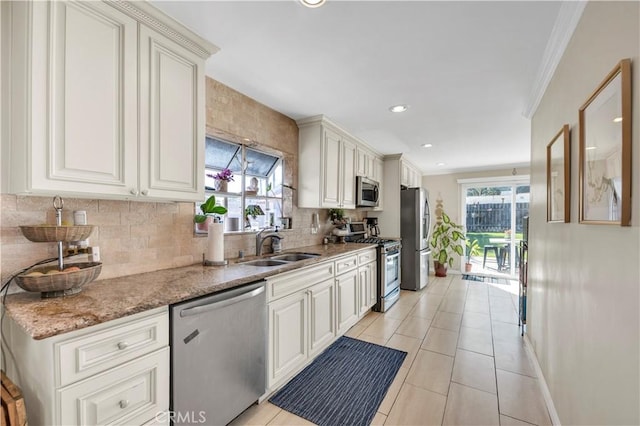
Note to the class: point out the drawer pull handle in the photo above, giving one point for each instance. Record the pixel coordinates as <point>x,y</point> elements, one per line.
<point>123,345</point>
<point>124,403</point>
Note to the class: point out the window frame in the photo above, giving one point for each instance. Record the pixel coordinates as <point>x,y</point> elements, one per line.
<point>243,177</point>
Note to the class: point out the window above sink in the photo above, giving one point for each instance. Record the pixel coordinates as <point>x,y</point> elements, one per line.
<point>254,197</point>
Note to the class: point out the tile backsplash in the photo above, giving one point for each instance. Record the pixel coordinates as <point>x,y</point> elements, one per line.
<point>133,237</point>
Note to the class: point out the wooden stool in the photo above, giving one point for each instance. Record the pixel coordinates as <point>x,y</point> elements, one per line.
<point>495,251</point>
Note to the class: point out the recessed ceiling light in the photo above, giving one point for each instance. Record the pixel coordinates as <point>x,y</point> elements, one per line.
<point>398,108</point>
<point>313,3</point>
<point>439,164</point>
<point>617,120</point>
<point>590,148</point>
<point>427,145</point>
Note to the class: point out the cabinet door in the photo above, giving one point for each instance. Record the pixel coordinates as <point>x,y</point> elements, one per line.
<point>171,119</point>
<point>378,176</point>
<point>321,316</point>
<point>133,393</point>
<point>330,170</point>
<point>363,159</point>
<point>373,283</point>
<point>287,335</point>
<point>347,300</point>
<point>415,178</point>
<point>348,176</point>
<point>84,115</point>
<point>364,281</point>
<point>404,177</point>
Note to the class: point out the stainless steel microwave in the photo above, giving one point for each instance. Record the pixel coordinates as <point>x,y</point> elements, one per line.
<point>367,192</point>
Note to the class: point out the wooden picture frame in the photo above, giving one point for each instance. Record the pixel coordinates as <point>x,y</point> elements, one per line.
<point>559,177</point>
<point>605,150</point>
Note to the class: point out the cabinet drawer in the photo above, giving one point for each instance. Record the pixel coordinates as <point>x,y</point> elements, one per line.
<point>94,353</point>
<point>347,263</point>
<point>367,256</point>
<point>130,394</point>
<point>290,282</point>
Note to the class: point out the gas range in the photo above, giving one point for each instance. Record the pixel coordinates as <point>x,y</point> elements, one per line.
<point>385,243</point>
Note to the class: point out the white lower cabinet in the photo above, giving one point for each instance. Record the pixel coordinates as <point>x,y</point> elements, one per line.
<point>128,395</point>
<point>347,306</point>
<point>310,307</point>
<point>367,283</point>
<point>322,328</point>
<point>367,280</point>
<point>287,335</point>
<point>112,373</point>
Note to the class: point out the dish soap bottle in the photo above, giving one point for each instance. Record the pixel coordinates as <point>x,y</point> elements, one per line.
<point>276,244</point>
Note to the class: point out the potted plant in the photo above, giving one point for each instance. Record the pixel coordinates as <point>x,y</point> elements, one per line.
<point>254,211</point>
<point>447,239</point>
<point>473,249</point>
<point>209,210</point>
<point>337,217</point>
<point>222,179</point>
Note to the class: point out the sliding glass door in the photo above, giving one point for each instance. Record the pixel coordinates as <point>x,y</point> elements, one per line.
<point>492,215</point>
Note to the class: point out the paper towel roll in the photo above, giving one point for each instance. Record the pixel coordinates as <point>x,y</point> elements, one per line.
<point>215,243</point>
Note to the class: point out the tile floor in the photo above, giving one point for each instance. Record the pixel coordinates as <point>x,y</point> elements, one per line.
<point>466,362</point>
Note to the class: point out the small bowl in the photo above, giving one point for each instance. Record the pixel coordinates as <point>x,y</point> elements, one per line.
<point>52,233</point>
<point>62,283</point>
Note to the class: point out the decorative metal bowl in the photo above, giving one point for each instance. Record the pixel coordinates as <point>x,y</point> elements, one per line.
<point>59,283</point>
<point>52,233</point>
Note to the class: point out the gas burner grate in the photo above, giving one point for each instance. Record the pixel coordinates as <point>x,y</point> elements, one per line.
<point>374,240</point>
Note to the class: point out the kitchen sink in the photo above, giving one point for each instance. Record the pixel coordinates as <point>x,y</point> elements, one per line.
<point>265,262</point>
<point>294,257</point>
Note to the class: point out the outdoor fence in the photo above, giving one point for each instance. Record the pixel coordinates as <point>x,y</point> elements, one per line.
<point>494,217</point>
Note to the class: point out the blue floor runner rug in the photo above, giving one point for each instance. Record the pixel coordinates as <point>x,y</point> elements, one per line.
<point>480,278</point>
<point>344,385</point>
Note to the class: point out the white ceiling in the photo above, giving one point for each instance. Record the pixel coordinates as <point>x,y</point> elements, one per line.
<point>466,69</point>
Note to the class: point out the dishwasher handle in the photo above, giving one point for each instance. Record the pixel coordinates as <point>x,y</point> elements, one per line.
<point>221,303</point>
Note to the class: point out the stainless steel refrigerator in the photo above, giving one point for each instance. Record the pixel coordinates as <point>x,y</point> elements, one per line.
<point>415,228</point>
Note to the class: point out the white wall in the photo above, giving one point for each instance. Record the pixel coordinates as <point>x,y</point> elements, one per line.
<point>446,188</point>
<point>584,294</point>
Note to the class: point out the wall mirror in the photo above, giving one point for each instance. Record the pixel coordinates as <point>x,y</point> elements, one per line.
<point>605,150</point>
<point>559,177</point>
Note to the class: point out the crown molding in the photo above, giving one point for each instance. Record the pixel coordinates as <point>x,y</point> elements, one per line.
<point>147,14</point>
<point>566,23</point>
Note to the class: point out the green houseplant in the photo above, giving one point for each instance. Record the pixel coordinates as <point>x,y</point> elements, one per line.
<point>446,240</point>
<point>473,249</point>
<point>209,209</point>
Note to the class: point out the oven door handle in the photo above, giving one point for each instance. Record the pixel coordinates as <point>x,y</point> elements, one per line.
<point>392,254</point>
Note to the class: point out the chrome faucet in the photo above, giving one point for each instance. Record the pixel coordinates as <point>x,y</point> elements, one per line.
<point>261,239</point>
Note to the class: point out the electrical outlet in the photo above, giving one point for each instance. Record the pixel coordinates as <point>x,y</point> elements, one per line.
<point>94,254</point>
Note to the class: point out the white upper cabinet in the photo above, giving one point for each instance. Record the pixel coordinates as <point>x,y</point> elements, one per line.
<point>328,163</point>
<point>348,174</point>
<point>171,88</point>
<point>331,153</point>
<point>366,165</point>
<point>108,102</point>
<point>410,176</point>
<point>378,176</point>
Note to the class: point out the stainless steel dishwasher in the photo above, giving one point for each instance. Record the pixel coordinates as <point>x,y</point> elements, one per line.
<point>218,355</point>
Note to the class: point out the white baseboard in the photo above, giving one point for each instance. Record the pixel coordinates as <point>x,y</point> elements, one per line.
<point>551,408</point>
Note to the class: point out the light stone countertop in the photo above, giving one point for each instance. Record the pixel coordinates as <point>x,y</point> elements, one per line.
<point>113,298</point>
